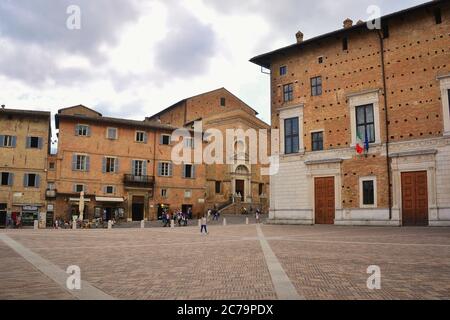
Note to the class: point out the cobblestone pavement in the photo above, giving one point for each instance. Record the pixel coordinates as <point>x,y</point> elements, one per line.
<point>321,262</point>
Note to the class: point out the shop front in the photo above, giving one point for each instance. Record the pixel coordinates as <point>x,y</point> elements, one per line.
<point>108,208</point>
<point>29,214</point>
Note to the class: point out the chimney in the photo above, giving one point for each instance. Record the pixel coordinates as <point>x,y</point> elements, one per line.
<point>299,36</point>
<point>348,23</point>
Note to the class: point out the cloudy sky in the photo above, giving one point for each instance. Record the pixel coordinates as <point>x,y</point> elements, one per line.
<point>132,58</point>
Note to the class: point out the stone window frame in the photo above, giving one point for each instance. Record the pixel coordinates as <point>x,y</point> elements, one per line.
<point>186,192</point>
<point>116,136</point>
<point>444,82</point>
<point>144,136</point>
<point>361,192</point>
<point>161,140</point>
<point>105,190</point>
<point>323,139</point>
<point>164,193</point>
<point>364,98</point>
<point>287,113</point>
<point>78,128</point>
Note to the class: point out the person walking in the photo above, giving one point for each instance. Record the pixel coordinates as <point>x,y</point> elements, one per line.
<point>203,225</point>
<point>257,215</point>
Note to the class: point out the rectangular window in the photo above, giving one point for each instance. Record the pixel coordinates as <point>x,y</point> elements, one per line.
<point>141,136</point>
<point>164,193</point>
<point>368,192</point>
<point>51,186</point>
<point>110,165</point>
<point>6,179</point>
<point>82,130</point>
<point>345,43</point>
<point>288,92</point>
<point>79,188</point>
<point>31,180</point>
<point>365,125</point>
<point>34,143</point>
<point>188,171</point>
<point>109,189</point>
<point>165,169</point>
<point>112,133</point>
<point>218,187</point>
<point>81,162</point>
<point>187,193</point>
<point>291,136</point>
<point>316,86</point>
<point>139,168</point>
<point>165,139</point>
<point>320,60</point>
<point>222,102</point>
<point>261,189</point>
<point>8,141</point>
<point>438,15</point>
<point>317,141</point>
<point>189,143</point>
<point>51,165</point>
<point>283,70</point>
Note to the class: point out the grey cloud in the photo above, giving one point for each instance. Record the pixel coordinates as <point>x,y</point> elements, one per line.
<point>188,46</point>
<point>286,17</point>
<point>35,66</point>
<point>34,36</point>
<point>43,22</point>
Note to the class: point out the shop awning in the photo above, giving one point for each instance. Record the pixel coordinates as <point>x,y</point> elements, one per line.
<point>108,199</point>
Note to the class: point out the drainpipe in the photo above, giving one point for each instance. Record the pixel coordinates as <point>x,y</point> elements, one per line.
<point>388,165</point>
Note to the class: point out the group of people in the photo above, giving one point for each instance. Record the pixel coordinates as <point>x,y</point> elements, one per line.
<point>14,222</point>
<point>214,213</point>
<point>244,211</point>
<point>178,216</point>
<point>61,224</point>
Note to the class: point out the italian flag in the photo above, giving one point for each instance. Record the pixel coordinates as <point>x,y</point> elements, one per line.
<point>359,144</point>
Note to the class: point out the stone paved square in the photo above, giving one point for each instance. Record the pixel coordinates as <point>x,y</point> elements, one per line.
<point>237,261</point>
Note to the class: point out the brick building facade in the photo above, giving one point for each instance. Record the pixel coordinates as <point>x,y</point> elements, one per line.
<point>386,89</point>
<point>124,167</point>
<point>221,110</point>
<point>24,148</point>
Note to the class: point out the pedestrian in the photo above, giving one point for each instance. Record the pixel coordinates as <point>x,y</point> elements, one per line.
<point>257,215</point>
<point>209,214</point>
<point>203,227</point>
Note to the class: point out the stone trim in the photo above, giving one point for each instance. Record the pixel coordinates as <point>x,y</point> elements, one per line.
<point>413,153</point>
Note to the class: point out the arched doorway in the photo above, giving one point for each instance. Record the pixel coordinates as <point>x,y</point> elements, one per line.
<point>241,184</point>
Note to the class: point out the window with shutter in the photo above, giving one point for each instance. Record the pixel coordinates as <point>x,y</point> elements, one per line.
<point>33,142</point>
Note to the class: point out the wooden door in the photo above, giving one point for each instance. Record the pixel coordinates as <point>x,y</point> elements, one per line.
<point>414,198</point>
<point>324,200</point>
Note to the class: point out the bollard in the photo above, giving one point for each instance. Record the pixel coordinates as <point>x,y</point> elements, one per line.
<point>172,223</point>
<point>224,221</point>
<point>74,225</point>
<point>36,225</point>
<point>142,224</point>
<point>109,224</point>
<point>246,220</point>
<point>199,222</point>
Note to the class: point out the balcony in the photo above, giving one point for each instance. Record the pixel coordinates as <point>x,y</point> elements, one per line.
<point>133,181</point>
<point>50,193</point>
